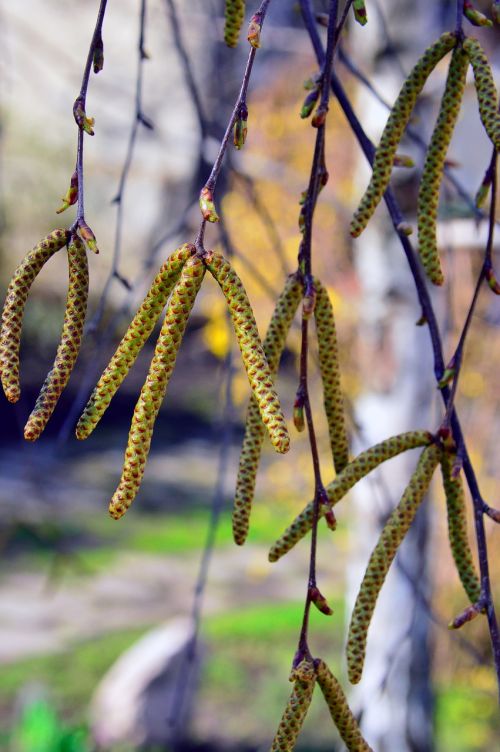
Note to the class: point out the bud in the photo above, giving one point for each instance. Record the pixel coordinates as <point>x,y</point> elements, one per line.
<point>87,236</point>
<point>322,19</point>
<point>71,195</point>
<point>484,189</point>
<point>241,126</point>
<point>495,11</point>
<point>98,58</point>
<point>405,228</point>
<point>492,281</point>
<point>330,519</point>
<point>320,601</point>
<point>83,122</point>
<point>319,117</point>
<point>309,302</point>
<point>302,219</point>
<point>474,16</point>
<point>468,614</point>
<point>298,412</point>
<point>309,103</point>
<point>447,376</point>
<point>421,321</point>
<point>359,8</point>
<point>403,160</point>
<point>207,205</point>
<point>254,30</point>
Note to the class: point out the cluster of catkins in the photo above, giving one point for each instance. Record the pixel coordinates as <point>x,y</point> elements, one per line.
<point>466,52</point>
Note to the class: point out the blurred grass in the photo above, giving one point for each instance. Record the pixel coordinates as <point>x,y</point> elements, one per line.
<point>91,543</point>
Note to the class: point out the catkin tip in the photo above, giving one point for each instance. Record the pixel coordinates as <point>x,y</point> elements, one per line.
<point>13,394</point>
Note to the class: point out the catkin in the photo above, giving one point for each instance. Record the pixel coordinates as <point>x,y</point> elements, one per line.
<point>457,530</point>
<point>296,709</point>
<point>13,310</point>
<point>234,16</point>
<point>133,341</point>
<point>338,488</point>
<point>71,337</point>
<point>382,556</point>
<point>339,710</point>
<point>428,196</point>
<point>486,91</point>
<point>394,129</point>
<point>155,386</point>
<point>330,375</point>
<point>273,345</point>
<point>254,359</point>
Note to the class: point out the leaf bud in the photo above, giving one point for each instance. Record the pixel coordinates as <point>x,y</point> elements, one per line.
<point>71,195</point>
<point>207,205</point>
<point>83,122</point>
<point>254,30</point>
<point>87,236</point>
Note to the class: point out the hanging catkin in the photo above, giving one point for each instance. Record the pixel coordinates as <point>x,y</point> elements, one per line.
<point>382,556</point>
<point>234,16</point>
<point>486,91</point>
<point>339,709</point>
<point>273,345</point>
<point>394,129</point>
<point>13,310</point>
<point>71,337</point>
<point>303,678</point>
<point>457,530</point>
<point>133,341</point>
<point>330,375</point>
<point>155,386</point>
<point>257,368</point>
<point>428,196</point>
<point>338,488</point>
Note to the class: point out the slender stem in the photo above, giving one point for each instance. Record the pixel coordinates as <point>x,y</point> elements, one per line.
<point>96,37</point>
<point>428,312</point>
<point>318,171</point>
<point>212,180</point>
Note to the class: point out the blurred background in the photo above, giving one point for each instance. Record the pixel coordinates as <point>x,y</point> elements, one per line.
<point>157,632</point>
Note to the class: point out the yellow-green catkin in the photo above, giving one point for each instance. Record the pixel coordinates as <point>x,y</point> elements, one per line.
<point>13,310</point>
<point>428,196</point>
<point>133,341</point>
<point>273,345</point>
<point>330,375</point>
<point>394,129</point>
<point>381,559</point>
<point>487,94</point>
<point>254,359</point>
<point>339,710</point>
<point>303,677</point>
<point>457,530</point>
<point>234,16</point>
<point>69,345</point>
<point>358,468</point>
<point>155,386</point>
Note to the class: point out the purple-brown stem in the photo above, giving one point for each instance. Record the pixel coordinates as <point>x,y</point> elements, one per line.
<point>428,312</point>
<point>305,266</point>
<point>96,39</point>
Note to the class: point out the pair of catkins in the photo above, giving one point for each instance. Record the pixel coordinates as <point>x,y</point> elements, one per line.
<point>466,53</point>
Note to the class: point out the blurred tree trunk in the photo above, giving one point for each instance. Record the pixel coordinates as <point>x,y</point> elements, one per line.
<point>395,697</point>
